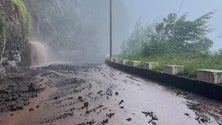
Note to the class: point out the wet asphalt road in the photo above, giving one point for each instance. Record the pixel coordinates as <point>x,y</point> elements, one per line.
<point>100,95</point>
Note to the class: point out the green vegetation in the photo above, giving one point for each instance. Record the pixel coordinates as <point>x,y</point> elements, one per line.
<point>192,62</point>
<point>174,40</point>
<point>24,16</point>
<point>172,34</point>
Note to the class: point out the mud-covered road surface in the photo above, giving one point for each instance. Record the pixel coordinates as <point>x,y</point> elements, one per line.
<point>100,95</point>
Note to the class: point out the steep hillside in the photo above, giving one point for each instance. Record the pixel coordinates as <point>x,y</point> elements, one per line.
<point>14,27</point>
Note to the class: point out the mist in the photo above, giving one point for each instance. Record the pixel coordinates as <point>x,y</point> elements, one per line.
<point>77,31</point>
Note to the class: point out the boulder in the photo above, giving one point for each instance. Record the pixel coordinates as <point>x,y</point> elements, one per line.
<point>2,70</point>
<point>33,87</point>
<point>17,57</point>
<point>4,60</point>
<point>10,66</point>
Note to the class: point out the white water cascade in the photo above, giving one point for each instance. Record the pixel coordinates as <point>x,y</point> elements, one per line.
<point>38,54</point>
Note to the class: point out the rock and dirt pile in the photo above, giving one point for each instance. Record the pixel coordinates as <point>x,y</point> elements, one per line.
<point>15,92</point>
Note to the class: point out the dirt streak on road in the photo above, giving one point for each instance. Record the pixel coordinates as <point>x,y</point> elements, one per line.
<point>100,95</point>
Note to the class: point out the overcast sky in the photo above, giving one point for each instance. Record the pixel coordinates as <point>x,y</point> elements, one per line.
<point>150,11</point>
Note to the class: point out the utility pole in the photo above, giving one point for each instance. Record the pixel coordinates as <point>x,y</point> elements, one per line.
<point>110,29</point>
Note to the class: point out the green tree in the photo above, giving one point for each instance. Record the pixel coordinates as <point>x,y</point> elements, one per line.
<point>174,34</point>
<point>133,45</point>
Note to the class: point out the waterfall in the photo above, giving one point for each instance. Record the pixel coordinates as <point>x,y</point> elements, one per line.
<point>38,54</point>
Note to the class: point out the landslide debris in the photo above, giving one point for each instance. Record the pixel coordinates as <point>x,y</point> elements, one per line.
<point>16,91</point>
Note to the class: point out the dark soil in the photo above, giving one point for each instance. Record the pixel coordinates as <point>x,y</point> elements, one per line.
<point>15,92</point>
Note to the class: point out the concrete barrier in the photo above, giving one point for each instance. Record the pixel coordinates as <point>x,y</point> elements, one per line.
<point>150,65</point>
<point>125,62</point>
<point>210,75</point>
<point>120,61</point>
<point>113,59</point>
<point>107,58</point>
<point>135,63</point>
<point>210,90</point>
<point>173,69</point>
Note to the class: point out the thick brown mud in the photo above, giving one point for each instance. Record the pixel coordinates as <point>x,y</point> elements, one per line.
<point>100,95</point>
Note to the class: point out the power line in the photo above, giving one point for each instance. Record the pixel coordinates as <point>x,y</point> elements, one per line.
<point>220,36</point>
<point>180,7</point>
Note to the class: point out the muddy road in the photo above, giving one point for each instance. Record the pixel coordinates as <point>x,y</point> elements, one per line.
<point>100,95</point>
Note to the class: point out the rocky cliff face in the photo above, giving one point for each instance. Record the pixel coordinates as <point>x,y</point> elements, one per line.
<point>13,33</point>
<point>76,31</point>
